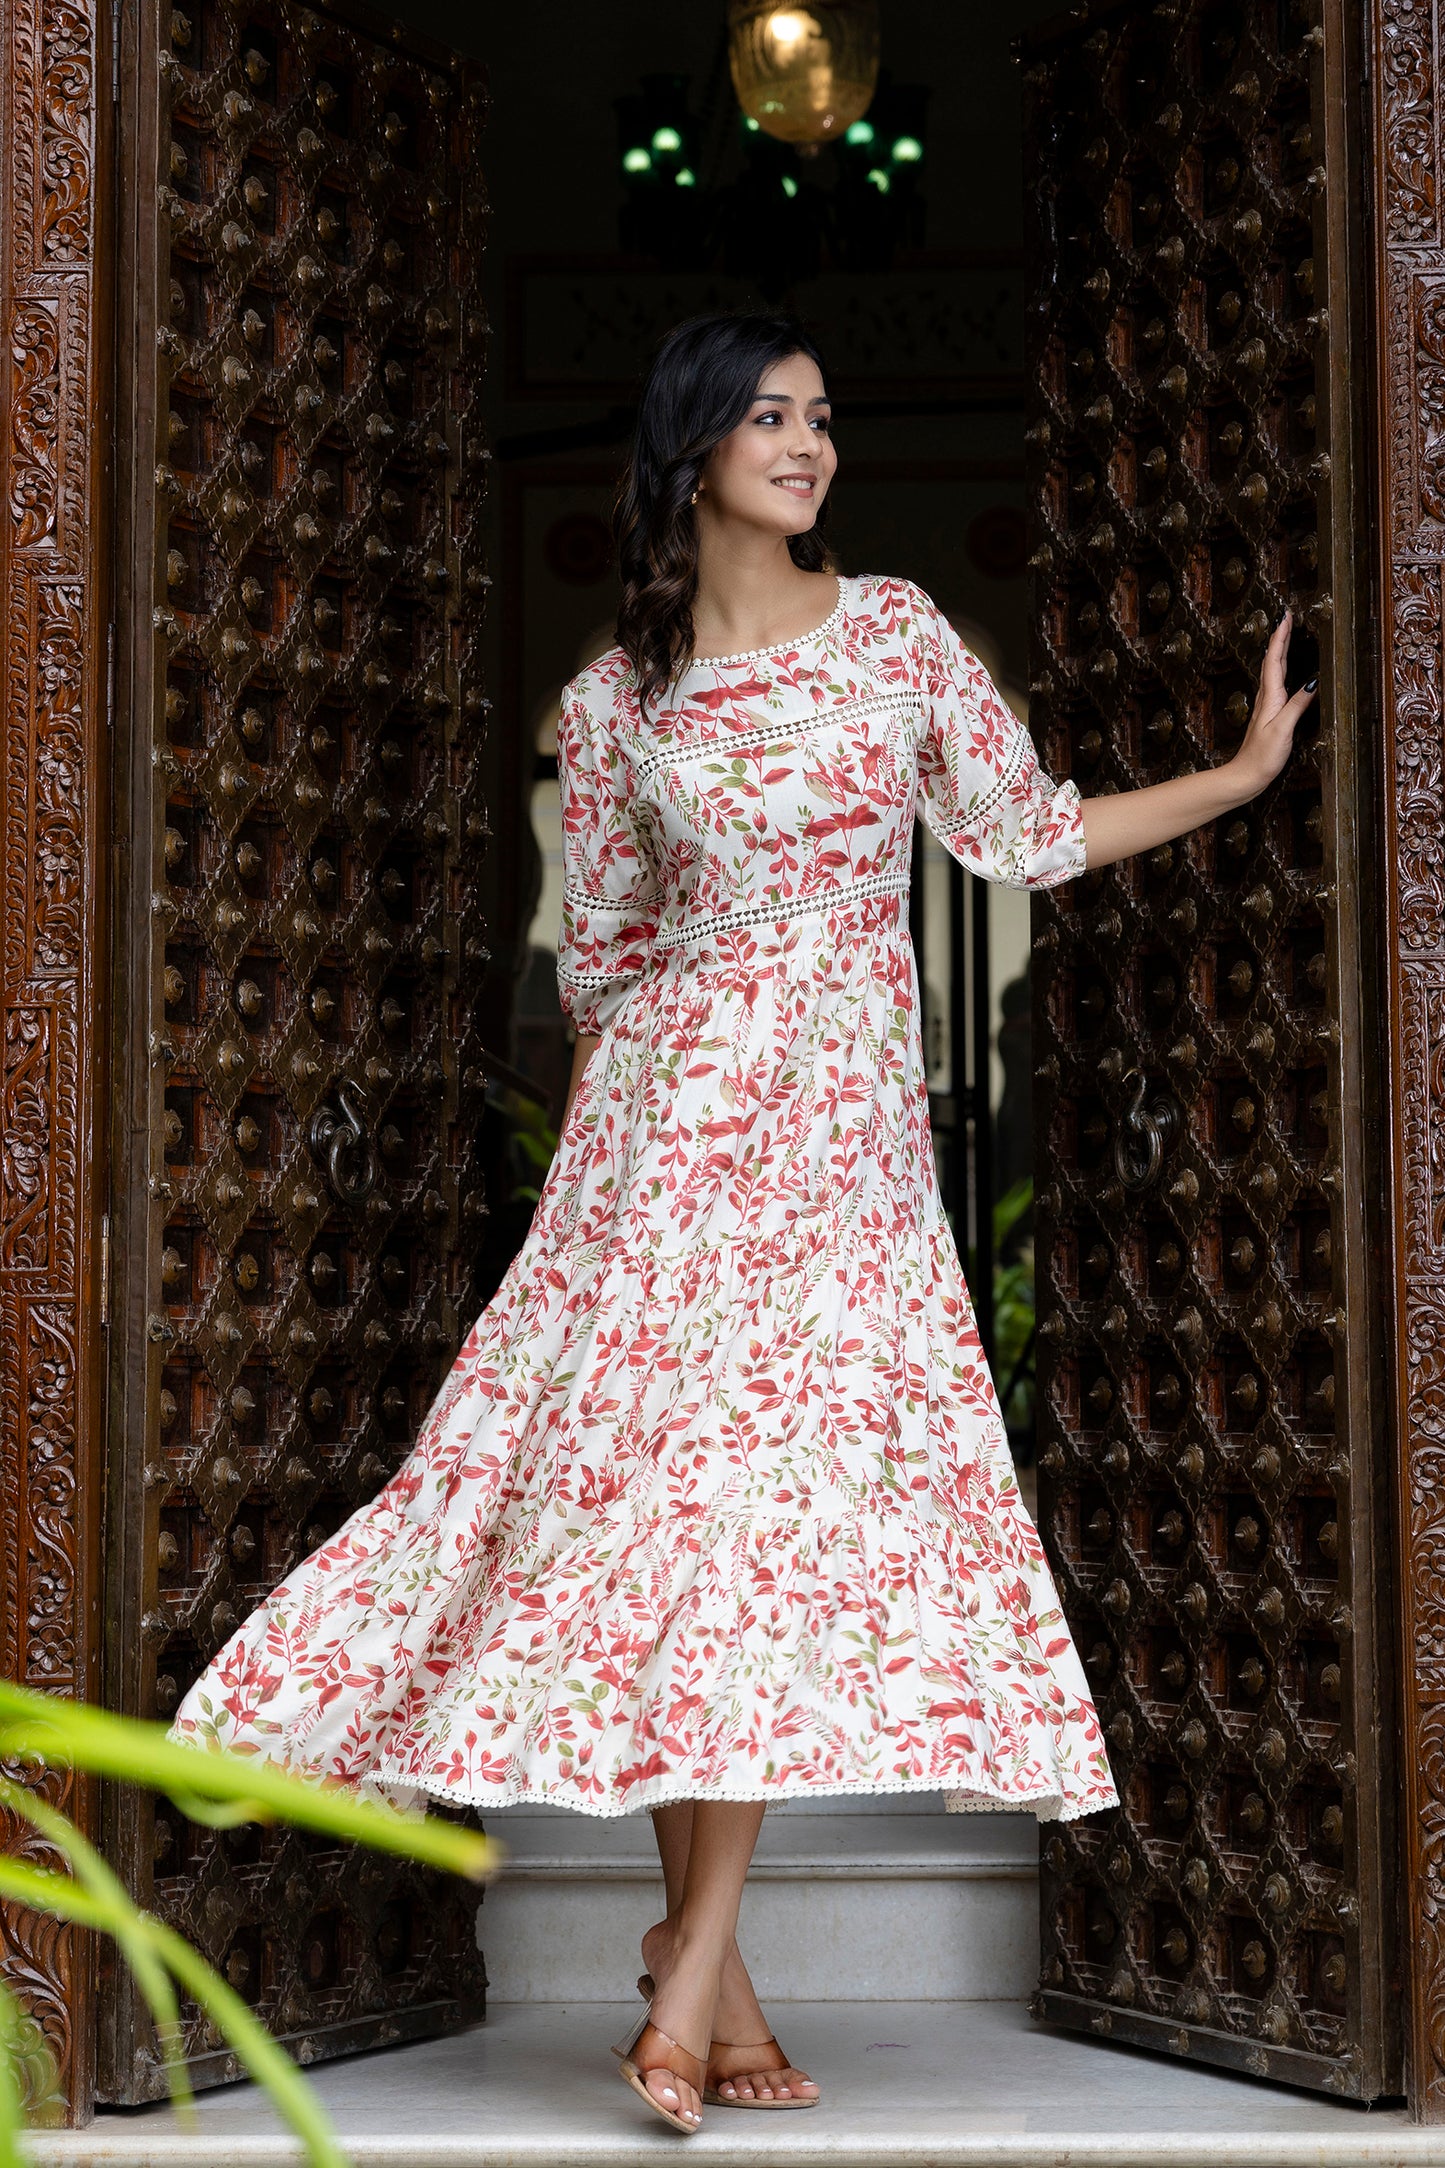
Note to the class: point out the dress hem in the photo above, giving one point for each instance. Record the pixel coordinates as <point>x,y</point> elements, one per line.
<point>1046,1806</point>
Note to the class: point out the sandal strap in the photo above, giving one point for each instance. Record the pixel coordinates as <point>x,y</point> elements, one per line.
<point>753,2047</point>
<point>673,2056</point>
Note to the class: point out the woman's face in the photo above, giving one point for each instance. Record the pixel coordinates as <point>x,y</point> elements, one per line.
<point>773,470</point>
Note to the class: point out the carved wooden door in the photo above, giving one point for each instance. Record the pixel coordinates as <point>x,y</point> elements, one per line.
<point>296,1054</point>
<point>1211,1315</point>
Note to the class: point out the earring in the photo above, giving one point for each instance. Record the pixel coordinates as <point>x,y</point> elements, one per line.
<point>693,498</point>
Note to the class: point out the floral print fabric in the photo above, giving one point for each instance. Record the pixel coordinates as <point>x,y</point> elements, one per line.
<point>716,1500</point>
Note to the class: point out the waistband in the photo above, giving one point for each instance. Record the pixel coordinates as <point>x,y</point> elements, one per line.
<point>870,910</point>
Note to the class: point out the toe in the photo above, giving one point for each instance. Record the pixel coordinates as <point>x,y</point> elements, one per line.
<point>674,2094</point>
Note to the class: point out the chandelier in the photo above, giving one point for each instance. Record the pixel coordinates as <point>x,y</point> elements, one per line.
<point>805,73</point>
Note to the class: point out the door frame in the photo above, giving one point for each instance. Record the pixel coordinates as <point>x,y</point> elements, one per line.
<point>55,258</point>
<point>1408,339</point>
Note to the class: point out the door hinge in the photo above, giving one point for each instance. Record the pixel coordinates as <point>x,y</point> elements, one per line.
<point>105,1272</point>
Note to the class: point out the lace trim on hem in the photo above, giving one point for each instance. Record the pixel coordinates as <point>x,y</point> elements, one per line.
<point>1046,1806</point>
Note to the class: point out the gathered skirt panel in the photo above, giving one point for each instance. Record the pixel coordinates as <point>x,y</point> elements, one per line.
<point>716,1499</point>
<point>735,1520</point>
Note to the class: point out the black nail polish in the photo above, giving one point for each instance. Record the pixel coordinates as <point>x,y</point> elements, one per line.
<point>1311,685</point>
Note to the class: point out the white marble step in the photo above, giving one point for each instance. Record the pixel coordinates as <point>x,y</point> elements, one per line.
<point>868,1907</point>
<point>923,2085</point>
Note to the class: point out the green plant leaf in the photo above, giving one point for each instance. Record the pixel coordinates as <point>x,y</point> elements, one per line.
<point>1010,1208</point>
<point>217,1787</point>
<point>13,2154</point>
<point>70,1734</point>
<point>217,1814</point>
<point>91,1871</point>
<point>62,1898</point>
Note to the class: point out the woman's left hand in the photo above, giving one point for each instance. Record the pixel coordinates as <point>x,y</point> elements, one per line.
<point>1129,821</point>
<point>1270,735</point>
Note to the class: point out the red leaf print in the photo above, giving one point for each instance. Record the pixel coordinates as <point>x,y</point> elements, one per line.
<point>715,1498</point>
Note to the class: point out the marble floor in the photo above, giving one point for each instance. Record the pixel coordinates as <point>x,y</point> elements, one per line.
<point>908,2085</point>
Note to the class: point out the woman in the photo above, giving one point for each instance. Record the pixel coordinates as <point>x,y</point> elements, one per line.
<point>715,1506</point>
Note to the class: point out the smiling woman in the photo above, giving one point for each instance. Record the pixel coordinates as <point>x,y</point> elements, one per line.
<point>733,435</point>
<point>771,473</point>
<point>716,1506</point>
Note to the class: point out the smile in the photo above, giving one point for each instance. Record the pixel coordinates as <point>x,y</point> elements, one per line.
<point>804,484</point>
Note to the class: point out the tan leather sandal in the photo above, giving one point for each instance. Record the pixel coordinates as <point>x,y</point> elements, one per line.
<point>744,2057</point>
<point>648,2048</point>
<point>764,2056</point>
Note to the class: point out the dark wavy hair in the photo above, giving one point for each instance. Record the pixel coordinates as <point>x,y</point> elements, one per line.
<point>701,384</point>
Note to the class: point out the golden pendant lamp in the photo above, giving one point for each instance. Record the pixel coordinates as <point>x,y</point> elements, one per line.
<point>804,73</point>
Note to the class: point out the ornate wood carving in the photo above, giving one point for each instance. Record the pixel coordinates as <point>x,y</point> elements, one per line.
<point>1410,350</point>
<point>51,769</point>
<point>1209,1430</point>
<point>297,1204</point>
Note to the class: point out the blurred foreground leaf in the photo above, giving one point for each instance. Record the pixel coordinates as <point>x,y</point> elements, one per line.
<point>210,1785</point>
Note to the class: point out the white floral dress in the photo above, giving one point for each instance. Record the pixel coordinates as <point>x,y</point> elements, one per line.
<point>715,1502</point>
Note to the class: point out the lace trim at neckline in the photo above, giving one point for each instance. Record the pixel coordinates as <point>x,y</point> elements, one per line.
<point>750,654</point>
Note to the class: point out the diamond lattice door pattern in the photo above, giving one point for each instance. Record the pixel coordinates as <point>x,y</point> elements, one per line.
<point>296,1206</point>
<point>1208,1465</point>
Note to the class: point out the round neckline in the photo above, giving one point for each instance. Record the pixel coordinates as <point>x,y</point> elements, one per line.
<point>750,654</point>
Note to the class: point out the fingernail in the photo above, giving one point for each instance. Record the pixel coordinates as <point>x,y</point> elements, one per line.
<point>1311,685</point>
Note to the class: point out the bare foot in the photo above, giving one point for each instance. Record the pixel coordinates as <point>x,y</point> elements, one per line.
<point>738,2017</point>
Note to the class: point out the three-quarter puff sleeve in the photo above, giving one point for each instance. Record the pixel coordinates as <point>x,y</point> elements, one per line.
<point>980,787</point>
<point>611,895</point>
